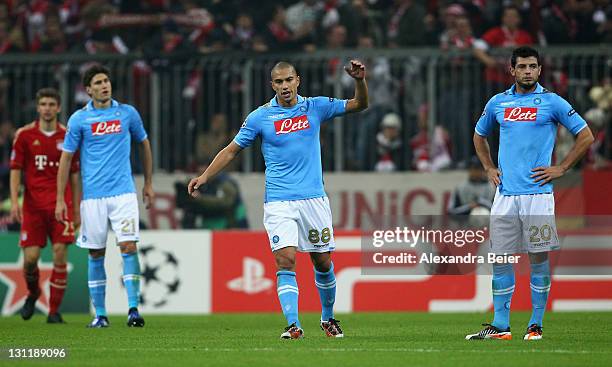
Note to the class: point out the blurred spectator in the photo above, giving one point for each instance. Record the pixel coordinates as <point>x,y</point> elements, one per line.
<point>389,144</point>
<point>460,37</point>
<point>7,134</point>
<point>277,34</point>
<point>244,32</point>
<point>430,155</point>
<point>302,19</point>
<point>597,156</point>
<point>219,204</point>
<point>406,25</point>
<point>508,34</point>
<point>216,138</point>
<point>356,17</point>
<point>476,192</point>
<point>53,39</point>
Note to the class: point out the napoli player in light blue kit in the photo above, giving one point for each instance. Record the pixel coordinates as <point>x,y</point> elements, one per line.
<point>297,215</point>
<point>102,131</point>
<point>522,215</point>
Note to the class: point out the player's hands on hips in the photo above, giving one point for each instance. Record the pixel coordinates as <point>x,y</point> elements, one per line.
<point>61,211</point>
<point>195,184</point>
<point>148,196</point>
<point>16,214</point>
<point>355,69</point>
<point>494,176</point>
<point>544,175</point>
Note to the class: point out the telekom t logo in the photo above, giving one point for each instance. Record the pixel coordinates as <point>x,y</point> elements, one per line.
<point>40,161</point>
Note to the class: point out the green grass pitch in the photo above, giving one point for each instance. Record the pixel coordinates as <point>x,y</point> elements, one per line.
<point>372,339</point>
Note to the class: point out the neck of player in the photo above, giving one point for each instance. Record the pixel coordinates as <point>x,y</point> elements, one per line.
<point>48,125</point>
<point>520,89</point>
<point>98,103</point>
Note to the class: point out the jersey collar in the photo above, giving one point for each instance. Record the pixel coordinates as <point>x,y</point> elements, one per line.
<point>539,89</point>
<point>274,102</point>
<point>90,106</point>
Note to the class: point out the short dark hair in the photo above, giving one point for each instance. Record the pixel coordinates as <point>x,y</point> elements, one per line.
<point>283,65</point>
<point>93,71</point>
<point>524,51</point>
<point>48,93</point>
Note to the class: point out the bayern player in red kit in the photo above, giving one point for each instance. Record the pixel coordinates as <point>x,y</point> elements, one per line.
<point>36,152</point>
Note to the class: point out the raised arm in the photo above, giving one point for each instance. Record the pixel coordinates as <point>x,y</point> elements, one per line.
<point>360,101</point>
<point>222,159</point>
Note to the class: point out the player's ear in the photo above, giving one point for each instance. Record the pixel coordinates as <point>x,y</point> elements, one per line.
<point>512,71</point>
<point>88,90</point>
<point>297,78</point>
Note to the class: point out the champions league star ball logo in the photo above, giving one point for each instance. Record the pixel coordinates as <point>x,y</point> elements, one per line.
<point>159,275</point>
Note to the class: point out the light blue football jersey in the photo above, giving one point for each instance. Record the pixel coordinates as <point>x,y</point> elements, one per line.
<point>290,145</point>
<point>528,128</point>
<point>103,137</point>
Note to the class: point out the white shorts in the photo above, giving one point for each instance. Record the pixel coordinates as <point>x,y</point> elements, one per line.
<point>305,224</point>
<point>120,211</point>
<point>523,223</point>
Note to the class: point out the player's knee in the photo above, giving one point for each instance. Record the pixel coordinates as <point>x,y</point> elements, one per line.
<point>128,247</point>
<point>285,262</point>
<point>537,258</point>
<point>30,263</point>
<point>97,253</point>
<point>59,254</point>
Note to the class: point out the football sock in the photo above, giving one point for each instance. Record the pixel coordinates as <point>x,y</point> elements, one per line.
<point>131,278</point>
<point>286,287</point>
<point>540,287</point>
<point>326,285</point>
<point>503,287</point>
<point>97,284</point>
<point>31,276</point>
<point>58,286</point>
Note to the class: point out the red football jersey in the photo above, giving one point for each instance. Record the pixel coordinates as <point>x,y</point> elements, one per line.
<point>37,154</point>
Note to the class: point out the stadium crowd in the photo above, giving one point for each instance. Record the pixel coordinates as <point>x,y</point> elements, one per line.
<point>191,27</point>
<point>122,26</point>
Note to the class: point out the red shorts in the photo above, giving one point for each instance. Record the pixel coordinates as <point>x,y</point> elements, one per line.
<point>37,225</point>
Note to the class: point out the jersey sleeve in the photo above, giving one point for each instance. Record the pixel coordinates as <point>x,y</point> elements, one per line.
<point>18,152</point>
<point>487,120</point>
<point>73,137</point>
<point>328,107</point>
<point>567,116</point>
<point>137,130</point>
<point>249,131</point>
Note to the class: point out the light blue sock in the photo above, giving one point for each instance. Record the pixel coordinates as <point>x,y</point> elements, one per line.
<point>503,287</point>
<point>286,287</point>
<point>131,278</point>
<point>97,284</point>
<point>540,286</point>
<point>326,284</point>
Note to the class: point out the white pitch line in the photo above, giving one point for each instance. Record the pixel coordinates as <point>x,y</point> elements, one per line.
<point>385,350</point>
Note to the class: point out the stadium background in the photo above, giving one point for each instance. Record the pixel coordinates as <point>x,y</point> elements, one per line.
<point>194,69</point>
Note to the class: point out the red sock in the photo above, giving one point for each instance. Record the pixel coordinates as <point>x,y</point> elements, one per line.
<point>31,278</point>
<point>58,286</point>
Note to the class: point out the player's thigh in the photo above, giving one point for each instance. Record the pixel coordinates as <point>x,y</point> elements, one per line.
<point>33,229</point>
<point>124,217</point>
<point>94,224</point>
<point>505,226</point>
<point>280,221</point>
<point>539,227</point>
<point>315,225</point>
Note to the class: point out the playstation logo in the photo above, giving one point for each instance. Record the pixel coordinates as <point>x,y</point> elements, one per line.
<point>252,280</point>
